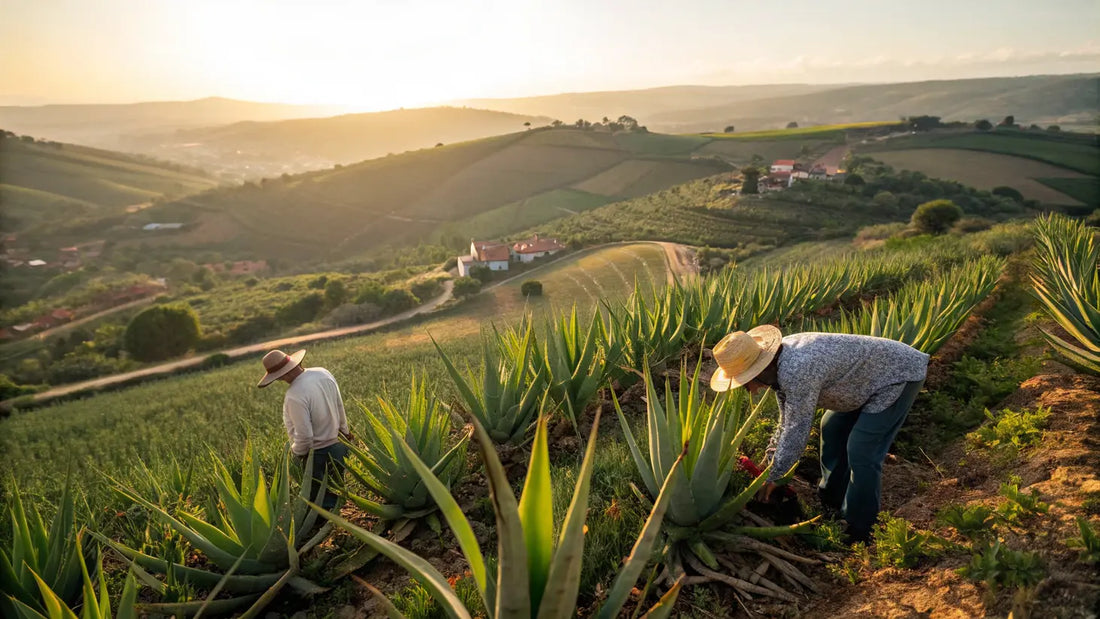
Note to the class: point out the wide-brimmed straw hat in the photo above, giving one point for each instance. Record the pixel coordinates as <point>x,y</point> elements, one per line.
<point>277,363</point>
<point>742,356</point>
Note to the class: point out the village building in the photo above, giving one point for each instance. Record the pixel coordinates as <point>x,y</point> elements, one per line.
<point>782,165</point>
<point>489,254</point>
<point>162,226</point>
<point>534,247</point>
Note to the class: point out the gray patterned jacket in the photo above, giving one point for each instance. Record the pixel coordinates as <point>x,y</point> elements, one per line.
<point>836,372</point>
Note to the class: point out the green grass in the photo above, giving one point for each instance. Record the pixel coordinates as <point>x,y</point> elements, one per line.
<point>520,215</point>
<point>824,132</point>
<point>1084,190</point>
<point>1078,152</point>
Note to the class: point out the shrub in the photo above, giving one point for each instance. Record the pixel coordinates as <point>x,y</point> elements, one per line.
<point>1004,239</point>
<point>885,199</point>
<point>351,314</point>
<point>451,263</point>
<point>300,311</point>
<point>481,273</point>
<point>370,292</point>
<point>426,288</point>
<point>10,389</point>
<point>1008,192</point>
<point>983,125</point>
<point>466,286</point>
<point>398,300</point>
<point>318,283</point>
<point>252,329</point>
<point>936,217</point>
<point>77,366</point>
<point>162,332</point>
<point>854,180</point>
<point>531,288</point>
<point>878,232</point>
<point>970,225</point>
<point>215,360</point>
<point>335,293</point>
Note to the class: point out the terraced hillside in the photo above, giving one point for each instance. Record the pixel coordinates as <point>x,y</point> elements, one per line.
<point>1055,168</point>
<point>434,193</point>
<point>53,183</point>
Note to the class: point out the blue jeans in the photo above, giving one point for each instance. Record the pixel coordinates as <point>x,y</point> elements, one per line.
<point>853,447</point>
<point>326,460</point>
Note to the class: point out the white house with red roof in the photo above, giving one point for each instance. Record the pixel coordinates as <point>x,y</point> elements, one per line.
<point>490,254</point>
<point>535,247</point>
<point>782,165</point>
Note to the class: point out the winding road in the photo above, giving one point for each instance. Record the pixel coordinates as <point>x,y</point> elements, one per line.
<point>681,266</point>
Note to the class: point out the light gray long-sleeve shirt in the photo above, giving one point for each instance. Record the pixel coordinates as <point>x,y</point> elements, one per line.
<point>837,372</point>
<point>313,411</point>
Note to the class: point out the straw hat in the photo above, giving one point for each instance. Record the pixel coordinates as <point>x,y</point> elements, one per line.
<point>277,363</point>
<point>741,356</point>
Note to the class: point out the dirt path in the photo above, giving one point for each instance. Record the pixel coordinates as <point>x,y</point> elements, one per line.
<point>831,160</point>
<point>241,351</point>
<point>48,333</point>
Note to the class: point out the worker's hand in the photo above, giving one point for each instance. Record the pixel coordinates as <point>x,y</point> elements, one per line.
<point>764,495</point>
<point>348,436</point>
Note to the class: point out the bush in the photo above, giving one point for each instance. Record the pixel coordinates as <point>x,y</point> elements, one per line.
<point>77,366</point>
<point>351,314</point>
<point>854,180</point>
<point>318,283</point>
<point>426,288</point>
<point>10,389</point>
<point>466,286</point>
<point>335,293</point>
<point>936,217</point>
<point>215,360</point>
<point>970,225</point>
<point>370,292</point>
<point>304,309</point>
<point>451,263</point>
<point>398,300</point>
<point>162,332</point>
<point>1004,239</point>
<point>252,329</point>
<point>481,273</point>
<point>1008,192</point>
<point>1010,430</point>
<point>531,288</point>
<point>878,232</point>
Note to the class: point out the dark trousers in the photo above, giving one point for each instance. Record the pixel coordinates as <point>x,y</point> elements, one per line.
<point>328,460</point>
<point>853,447</point>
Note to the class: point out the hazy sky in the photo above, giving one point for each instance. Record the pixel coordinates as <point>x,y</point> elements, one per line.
<point>380,54</point>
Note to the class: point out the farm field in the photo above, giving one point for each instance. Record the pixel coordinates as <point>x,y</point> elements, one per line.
<point>741,151</point>
<point>823,132</point>
<point>197,404</point>
<point>985,171</point>
<point>1075,151</point>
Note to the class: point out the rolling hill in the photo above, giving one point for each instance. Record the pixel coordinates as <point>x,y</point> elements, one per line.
<point>1068,100</point>
<point>103,125</point>
<point>433,194</point>
<point>252,149</point>
<point>53,184</point>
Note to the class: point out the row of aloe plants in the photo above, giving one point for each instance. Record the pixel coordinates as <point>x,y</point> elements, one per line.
<point>1066,281</point>
<point>255,536</point>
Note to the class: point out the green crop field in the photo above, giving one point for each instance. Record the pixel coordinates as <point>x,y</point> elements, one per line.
<point>520,215</point>
<point>822,132</point>
<point>985,171</point>
<point>1085,190</point>
<point>742,151</point>
<point>219,408</point>
<point>1079,152</point>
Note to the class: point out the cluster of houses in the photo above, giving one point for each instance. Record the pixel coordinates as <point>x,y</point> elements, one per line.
<point>68,258</point>
<point>497,256</point>
<point>103,301</point>
<point>784,172</point>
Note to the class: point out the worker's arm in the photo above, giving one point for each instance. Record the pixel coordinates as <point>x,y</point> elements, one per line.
<point>298,426</point>
<point>796,418</point>
<point>341,415</point>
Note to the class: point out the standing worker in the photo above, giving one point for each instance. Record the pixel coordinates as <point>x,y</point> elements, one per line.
<point>313,414</point>
<point>867,386</point>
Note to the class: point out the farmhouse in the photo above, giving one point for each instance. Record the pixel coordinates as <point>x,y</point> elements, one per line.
<point>782,165</point>
<point>494,256</point>
<point>534,247</point>
<point>160,226</point>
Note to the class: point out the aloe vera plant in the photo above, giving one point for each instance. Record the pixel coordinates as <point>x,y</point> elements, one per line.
<point>924,313</point>
<point>1066,281</point>
<point>504,398</point>
<point>255,536</point>
<point>576,363</point>
<point>382,466</point>
<point>704,510</point>
<point>95,602</point>
<point>651,332</point>
<point>535,577</point>
<point>41,555</point>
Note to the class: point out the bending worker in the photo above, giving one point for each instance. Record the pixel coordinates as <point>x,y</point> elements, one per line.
<point>313,413</point>
<point>867,386</point>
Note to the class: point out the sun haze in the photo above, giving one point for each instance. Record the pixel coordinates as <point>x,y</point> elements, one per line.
<point>375,54</point>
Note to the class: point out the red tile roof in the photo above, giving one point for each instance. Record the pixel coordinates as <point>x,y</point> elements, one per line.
<point>535,245</point>
<point>488,251</point>
<point>789,162</point>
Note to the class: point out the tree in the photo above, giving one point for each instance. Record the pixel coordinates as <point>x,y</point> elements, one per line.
<point>854,180</point>
<point>481,273</point>
<point>531,288</point>
<point>556,123</point>
<point>162,332</point>
<point>936,217</point>
<point>885,199</point>
<point>335,293</point>
<point>750,180</point>
<point>302,310</point>
<point>1054,128</point>
<point>398,300</point>
<point>792,125</point>
<point>983,125</point>
<point>629,122</point>
<point>527,124</point>
<point>1009,121</point>
<point>923,123</point>
<point>466,286</point>
<point>1008,192</point>
<point>370,292</point>
<point>728,129</point>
